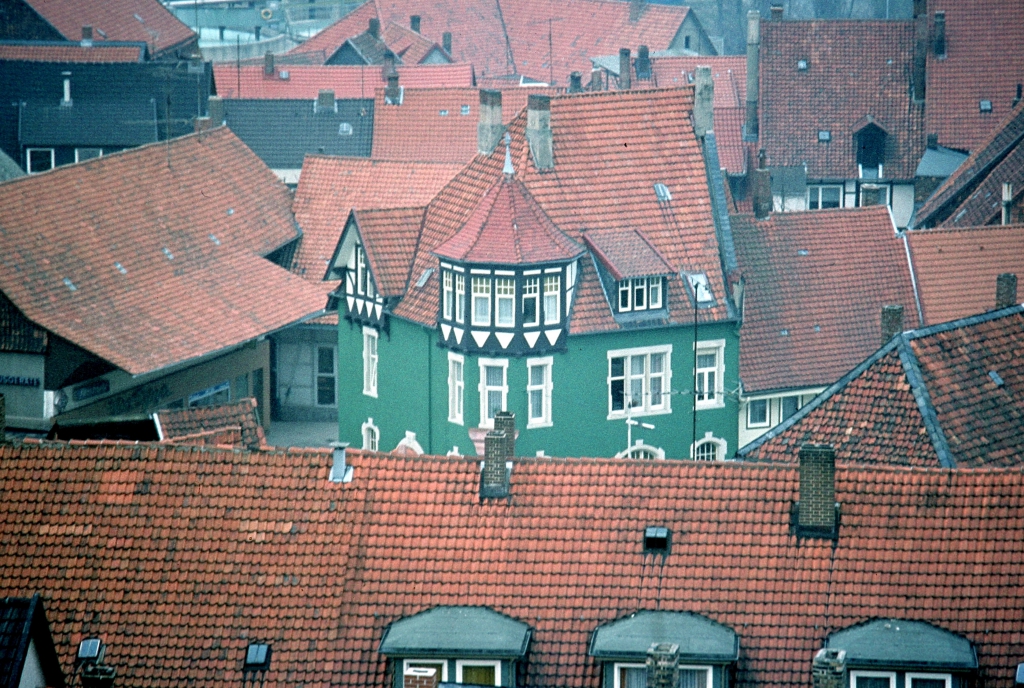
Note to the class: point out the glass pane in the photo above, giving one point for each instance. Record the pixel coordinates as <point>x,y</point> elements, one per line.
<point>537,375</point>
<point>481,311</point>
<point>536,404</point>
<point>529,310</point>
<point>632,677</point>
<point>505,311</point>
<point>711,385</point>
<point>657,363</point>
<point>478,675</point>
<point>618,403</point>
<point>830,197</point>
<point>325,361</point>
<point>693,678</point>
<point>624,296</point>
<point>789,406</point>
<point>325,391</point>
<point>493,403</point>
<point>872,682</point>
<point>812,198</point>
<point>927,683</point>
<point>655,292</point>
<point>706,360</point>
<point>551,314</point>
<point>495,376</point>
<point>640,293</point>
<point>636,391</point>
<point>636,365</point>
<point>617,367</point>
<point>758,411</point>
<point>656,391</point>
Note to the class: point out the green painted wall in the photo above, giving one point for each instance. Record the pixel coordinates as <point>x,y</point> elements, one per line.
<point>413,393</point>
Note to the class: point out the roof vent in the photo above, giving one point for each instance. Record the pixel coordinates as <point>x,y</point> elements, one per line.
<point>824,136</point>
<point>442,113</point>
<point>120,268</point>
<point>801,65</point>
<point>70,285</point>
<point>167,252</point>
<point>464,110</point>
<point>984,106</point>
<point>657,540</point>
<point>215,240</point>
<point>284,75</point>
<point>345,129</point>
<point>662,192</point>
<point>996,378</point>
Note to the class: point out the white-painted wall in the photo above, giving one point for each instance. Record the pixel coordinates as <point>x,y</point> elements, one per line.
<point>32,672</point>
<point>749,434</point>
<point>902,204</point>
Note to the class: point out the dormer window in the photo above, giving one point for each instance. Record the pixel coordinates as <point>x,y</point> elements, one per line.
<point>871,140</point>
<point>640,294</point>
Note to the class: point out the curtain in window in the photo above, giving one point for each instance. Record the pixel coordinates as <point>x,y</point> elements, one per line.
<point>633,677</point>
<point>693,678</point>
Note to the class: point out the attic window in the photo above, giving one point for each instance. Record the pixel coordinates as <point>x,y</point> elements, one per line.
<point>996,378</point>
<point>120,268</point>
<point>424,277</point>
<point>284,75</point>
<point>464,110</point>
<point>443,113</point>
<point>70,285</point>
<point>257,657</point>
<point>345,129</point>
<point>662,192</point>
<point>985,106</point>
<point>657,540</point>
<point>699,284</point>
<point>824,136</point>
<point>802,65</point>
<point>90,650</point>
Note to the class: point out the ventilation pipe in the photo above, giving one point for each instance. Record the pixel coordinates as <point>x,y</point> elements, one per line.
<point>268,64</point>
<point>414,22</point>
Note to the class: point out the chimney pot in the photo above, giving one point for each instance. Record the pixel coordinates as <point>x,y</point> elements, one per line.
<point>892,322</point>
<point>87,36</point>
<point>829,668</point>
<point>753,59</point>
<point>933,140</point>
<point>325,101</point>
<point>538,131</point>
<point>1006,290</point>
<point>816,511</point>
<point>703,104</point>
<point>776,12</point>
<point>374,28</point>
<point>575,82</point>
<point>489,127</point>
<point>446,42</point>
<point>268,64</point>
<point>625,69</point>
<point>414,22</point>
<point>215,109</point>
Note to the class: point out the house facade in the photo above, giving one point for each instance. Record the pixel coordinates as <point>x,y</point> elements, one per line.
<point>517,289</point>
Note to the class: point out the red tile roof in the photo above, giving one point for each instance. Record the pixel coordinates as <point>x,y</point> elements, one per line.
<point>238,421</point>
<point>326,42</point>
<point>984,167</point>
<point>142,21</point>
<point>610,148</point>
<point>347,81</point>
<point>815,284</point>
<point>508,227</point>
<point>626,253</point>
<point>180,557</point>
<point>330,187</point>
<point>855,69</point>
<point>438,124</point>
<point>943,395</point>
<point>410,46</point>
<point>956,269</point>
<point>389,237</point>
<point>71,52</point>
<point>17,333</point>
<point>150,257</point>
<point>984,61</point>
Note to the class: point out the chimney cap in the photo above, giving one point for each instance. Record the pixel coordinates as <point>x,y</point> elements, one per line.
<point>776,11</point>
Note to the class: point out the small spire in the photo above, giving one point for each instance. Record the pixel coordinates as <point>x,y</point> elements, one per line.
<point>508,169</point>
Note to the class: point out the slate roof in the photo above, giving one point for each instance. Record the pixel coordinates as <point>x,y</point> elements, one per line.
<point>438,124</point>
<point>512,37</point>
<point>626,253</point>
<point>984,164</point>
<point>326,42</point>
<point>509,228</point>
<point>240,417</point>
<point>956,268</point>
<point>52,51</point>
<point>221,548</point>
<point>347,81</point>
<point>282,132</point>
<point>168,234</point>
<point>330,187</point>
<point>141,21</point>
<point>89,124</point>
<point>815,283</point>
<point>984,61</point>
<point>610,148</point>
<point>855,69</point>
<point>942,395</point>
<point>23,621</point>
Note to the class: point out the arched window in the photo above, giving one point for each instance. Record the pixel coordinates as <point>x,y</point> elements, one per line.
<point>710,448</point>
<point>641,451</point>
<point>371,435</point>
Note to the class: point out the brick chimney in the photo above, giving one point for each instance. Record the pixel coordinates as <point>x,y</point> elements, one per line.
<point>446,42</point>
<point>414,22</point>
<point>325,101</point>
<point>1007,202</point>
<point>829,668</point>
<point>753,59</point>
<point>87,36</point>
<point>393,92</point>
<point>538,131</point>
<point>489,129</point>
<point>663,665</point>
<point>1006,290</point>
<point>268,64</point>
<point>420,677</point>
<point>495,482</point>
<point>816,510</point>
<point>636,10</point>
<point>919,73</point>
<point>505,421</point>
<point>704,98</point>
<point>892,322</point>
<point>575,82</point>
<point>215,109</point>
<point>625,69</point>
<point>761,189</point>
<point>939,44</point>
<point>776,13</point>
<point>374,27</point>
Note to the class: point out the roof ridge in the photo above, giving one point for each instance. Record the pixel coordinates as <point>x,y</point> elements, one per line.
<point>923,397</point>
<point>994,314</point>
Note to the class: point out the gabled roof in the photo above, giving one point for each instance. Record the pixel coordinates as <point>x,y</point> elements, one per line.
<point>389,238</point>
<point>225,547</point>
<point>141,21</point>
<point>983,61</point>
<point>169,235</point>
<point>23,625</point>
<point>326,42</point>
<point>815,283</point>
<point>610,149</point>
<point>53,51</point>
<point>508,227</point>
<point>437,124</point>
<point>410,46</point>
<point>330,187</point>
<point>956,268</point>
<point>983,168</point>
<point>240,417</point>
<point>944,395</point>
<point>626,253</point>
<point>854,68</point>
<point>371,49</point>
<point>347,81</point>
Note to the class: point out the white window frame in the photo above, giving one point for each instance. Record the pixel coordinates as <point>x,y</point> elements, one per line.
<point>816,189</point>
<point>371,435</point>
<point>408,663</point>
<point>456,389</point>
<point>767,413</point>
<point>448,293</point>
<point>506,298</point>
<point>704,347</point>
<point>547,363</point>
<point>496,663</point>
<point>78,157</point>
<point>553,316</point>
<point>371,361</point>
<point>655,285</point>
<point>531,291</point>
<point>502,363</point>
<point>482,296</point>
<point>879,187</point>
<point>891,675</point>
<point>317,374</point>
<point>28,159</point>
<point>721,444</point>
<point>362,279</point>
<point>460,297</point>
<point>625,289</point>
<point>880,168</point>
<point>618,666</point>
<point>908,680</point>
<point>645,409</point>
<point>640,446</point>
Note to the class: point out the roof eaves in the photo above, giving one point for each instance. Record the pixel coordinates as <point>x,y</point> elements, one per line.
<point>919,389</point>
<point>597,252</point>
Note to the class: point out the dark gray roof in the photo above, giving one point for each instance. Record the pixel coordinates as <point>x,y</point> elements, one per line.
<point>699,638</point>
<point>465,631</point>
<point>90,124</point>
<point>282,132</point>
<point>939,162</point>
<point>22,620</point>
<point>902,644</point>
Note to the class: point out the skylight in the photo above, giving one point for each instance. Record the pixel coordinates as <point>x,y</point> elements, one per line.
<point>700,286</point>
<point>657,540</point>
<point>802,65</point>
<point>985,106</point>
<point>120,268</point>
<point>167,252</point>
<point>215,240</point>
<point>662,192</point>
<point>464,110</point>
<point>70,285</point>
<point>996,378</point>
<point>824,136</point>
<point>257,657</point>
<point>424,277</point>
<point>443,113</point>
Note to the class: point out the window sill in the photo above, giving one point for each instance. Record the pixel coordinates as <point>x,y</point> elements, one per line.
<point>720,403</point>
<point>367,393</point>
<point>456,421</point>
<point>539,424</point>
<point>621,415</point>
<point>754,426</point>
